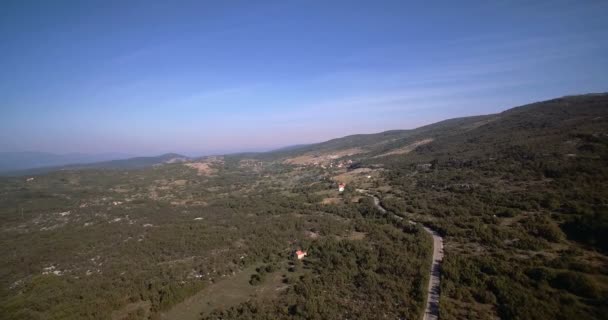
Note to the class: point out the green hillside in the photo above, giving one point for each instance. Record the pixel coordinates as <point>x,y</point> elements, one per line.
<point>520,197</point>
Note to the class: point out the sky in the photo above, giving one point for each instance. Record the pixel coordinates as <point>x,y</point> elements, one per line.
<point>204,77</point>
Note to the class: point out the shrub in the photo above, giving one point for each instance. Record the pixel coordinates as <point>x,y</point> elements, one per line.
<point>576,283</point>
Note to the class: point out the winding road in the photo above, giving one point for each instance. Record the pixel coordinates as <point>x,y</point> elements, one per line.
<point>431,311</point>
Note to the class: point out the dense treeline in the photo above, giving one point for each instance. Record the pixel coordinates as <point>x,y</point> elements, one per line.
<point>83,244</point>
<point>86,243</point>
<point>510,196</point>
<point>381,277</point>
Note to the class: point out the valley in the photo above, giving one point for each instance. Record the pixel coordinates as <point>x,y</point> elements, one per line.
<point>489,217</point>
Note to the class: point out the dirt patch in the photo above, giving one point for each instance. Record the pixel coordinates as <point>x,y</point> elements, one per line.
<point>385,189</point>
<point>312,234</point>
<point>203,168</point>
<point>331,201</point>
<point>179,183</point>
<point>406,149</point>
<point>354,175</point>
<point>322,158</point>
<point>356,235</point>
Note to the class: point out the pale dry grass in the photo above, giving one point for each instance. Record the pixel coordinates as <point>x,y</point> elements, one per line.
<point>203,168</point>
<point>312,234</point>
<point>356,235</point>
<point>331,200</point>
<point>322,158</point>
<point>179,183</point>
<point>356,175</point>
<point>406,149</point>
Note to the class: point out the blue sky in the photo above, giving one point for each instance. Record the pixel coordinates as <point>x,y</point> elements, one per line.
<point>147,77</point>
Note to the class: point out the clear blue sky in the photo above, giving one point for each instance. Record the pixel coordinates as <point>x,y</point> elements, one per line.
<point>146,77</point>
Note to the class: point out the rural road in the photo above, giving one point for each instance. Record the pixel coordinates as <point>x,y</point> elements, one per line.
<point>431,311</point>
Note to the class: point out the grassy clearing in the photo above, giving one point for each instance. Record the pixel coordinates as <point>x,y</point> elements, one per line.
<point>225,293</point>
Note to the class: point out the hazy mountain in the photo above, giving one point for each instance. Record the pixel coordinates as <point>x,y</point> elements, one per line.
<point>129,163</point>
<point>12,161</point>
<point>542,123</point>
<point>134,163</point>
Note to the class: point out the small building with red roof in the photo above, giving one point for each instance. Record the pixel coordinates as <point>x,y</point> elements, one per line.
<point>300,254</point>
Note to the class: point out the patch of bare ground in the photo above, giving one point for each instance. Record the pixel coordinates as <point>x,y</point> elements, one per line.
<point>176,160</point>
<point>322,158</point>
<point>355,199</point>
<point>406,149</point>
<point>121,189</point>
<point>202,168</point>
<point>385,189</point>
<point>357,175</point>
<point>312,234</point>
<point>138,310</point>
<point>356,235</point>
<point>331,200</point>
<point>179,183</point>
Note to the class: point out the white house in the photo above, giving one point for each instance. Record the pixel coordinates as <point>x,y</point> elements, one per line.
<point>301,254</point>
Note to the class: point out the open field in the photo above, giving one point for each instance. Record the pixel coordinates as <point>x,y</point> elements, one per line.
<point>226,292</point>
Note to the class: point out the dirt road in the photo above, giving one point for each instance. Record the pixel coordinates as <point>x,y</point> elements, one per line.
<point>431,311</point>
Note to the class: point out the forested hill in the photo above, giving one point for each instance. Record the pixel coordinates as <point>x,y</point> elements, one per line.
<point>521,198</point>
<point>557,150</point>
<point>533,123</point>
<point>561,131</point>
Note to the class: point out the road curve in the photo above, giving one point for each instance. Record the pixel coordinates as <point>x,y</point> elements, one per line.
<point>431,311</point>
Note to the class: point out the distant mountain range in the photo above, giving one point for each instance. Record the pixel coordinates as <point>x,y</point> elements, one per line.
<point>12,161</point>
<point>22,163</point>
<point>542,124</point>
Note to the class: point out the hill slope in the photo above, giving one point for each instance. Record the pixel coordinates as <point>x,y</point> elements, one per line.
<point>130,163</point>
<point>13,161</point>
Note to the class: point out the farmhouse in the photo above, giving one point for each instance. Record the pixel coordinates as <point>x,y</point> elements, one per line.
<point>300,254</point>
